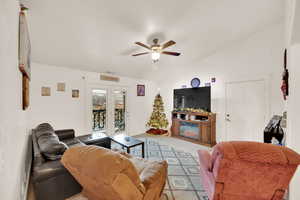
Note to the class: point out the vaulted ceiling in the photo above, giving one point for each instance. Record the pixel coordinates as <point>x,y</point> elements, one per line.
<point>98,35</point>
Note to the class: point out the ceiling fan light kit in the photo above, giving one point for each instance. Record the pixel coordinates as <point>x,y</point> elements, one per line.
<point>155,56</point>
<point>156,49</point>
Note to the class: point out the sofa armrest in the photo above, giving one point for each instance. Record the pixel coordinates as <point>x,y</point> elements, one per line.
<point>153,172</point>
<point>65,134</point>
<point>126,188</point>
<point>205,159</point>
<point>38,159</point>
<point>47,170</point>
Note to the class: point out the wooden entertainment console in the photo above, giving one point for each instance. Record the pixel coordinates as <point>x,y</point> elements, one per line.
<point>203,123</point>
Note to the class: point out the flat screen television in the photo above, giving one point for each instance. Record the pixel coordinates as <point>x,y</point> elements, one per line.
<point>198,98</point>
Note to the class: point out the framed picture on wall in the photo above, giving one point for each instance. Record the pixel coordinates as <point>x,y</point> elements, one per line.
<point>46,91</point>
<point>75,93</point>
<point>140,90</point>
<point>61,87</point>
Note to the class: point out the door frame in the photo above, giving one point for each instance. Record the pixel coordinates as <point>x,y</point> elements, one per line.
<point>267,88</point>
<point>110,116</point>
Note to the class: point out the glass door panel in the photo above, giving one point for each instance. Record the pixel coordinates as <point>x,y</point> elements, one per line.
<point>119,110</point>
<point>99,113</point>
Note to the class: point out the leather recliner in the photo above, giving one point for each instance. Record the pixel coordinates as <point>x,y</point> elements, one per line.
<point>109,175</point>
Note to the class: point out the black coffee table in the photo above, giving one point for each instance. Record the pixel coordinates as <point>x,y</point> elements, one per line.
<point>99,139</point>
<point>128,142</point>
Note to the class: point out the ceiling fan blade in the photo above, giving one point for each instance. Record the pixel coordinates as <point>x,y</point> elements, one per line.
<point>139,54</point>
<point>143,45</point>
<point>171,53</point>
<point>167,44</point>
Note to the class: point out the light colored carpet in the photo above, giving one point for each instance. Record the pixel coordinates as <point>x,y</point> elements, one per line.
<point>176,143</point>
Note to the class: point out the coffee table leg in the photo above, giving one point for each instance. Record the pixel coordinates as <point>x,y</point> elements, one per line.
<point>143,150</point>
<point>128,150</point>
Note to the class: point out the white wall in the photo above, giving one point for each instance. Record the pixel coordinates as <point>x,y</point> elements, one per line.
<point>13,131</point>
<point>293,113</point>
<point>63,111</point>
<point>293,45</point>
<point>259,56</point>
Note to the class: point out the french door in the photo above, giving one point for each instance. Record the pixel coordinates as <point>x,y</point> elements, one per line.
<point>108,112</point>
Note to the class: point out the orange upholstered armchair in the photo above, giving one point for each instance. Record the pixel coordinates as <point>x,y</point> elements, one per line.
<point>247,170</point>
<point>109,175</point>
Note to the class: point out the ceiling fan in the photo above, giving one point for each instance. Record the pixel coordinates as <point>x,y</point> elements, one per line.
<point>157,49</point>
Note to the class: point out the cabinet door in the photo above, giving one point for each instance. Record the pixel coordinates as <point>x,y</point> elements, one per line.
<point>205,134</point>
<point>175,127</point>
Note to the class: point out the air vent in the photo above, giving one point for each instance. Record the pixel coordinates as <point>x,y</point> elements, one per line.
<point>109,78</point>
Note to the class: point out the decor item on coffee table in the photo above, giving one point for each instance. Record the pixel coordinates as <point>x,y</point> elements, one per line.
<point>106,174</point>
<point>128,142</point>
<point>247,170</point>
<point>158,120</point>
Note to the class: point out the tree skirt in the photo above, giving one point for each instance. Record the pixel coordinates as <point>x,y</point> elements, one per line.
<point>154,131</point>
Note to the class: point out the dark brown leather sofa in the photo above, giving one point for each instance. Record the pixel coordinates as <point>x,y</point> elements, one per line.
<point>50,179</point>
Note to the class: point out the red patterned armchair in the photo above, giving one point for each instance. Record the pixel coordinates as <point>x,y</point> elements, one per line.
<point>247,170</point>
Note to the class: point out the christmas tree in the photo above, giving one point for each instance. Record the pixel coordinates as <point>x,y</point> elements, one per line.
<point>158,120</point>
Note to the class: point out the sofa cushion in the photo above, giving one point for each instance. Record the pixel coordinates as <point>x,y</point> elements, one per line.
<point>42,129</point>
<point>51,147</point>
<point>49,144</point>
<point>74,142</point>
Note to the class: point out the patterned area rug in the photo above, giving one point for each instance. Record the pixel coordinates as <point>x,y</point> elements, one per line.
<point>184,181</point>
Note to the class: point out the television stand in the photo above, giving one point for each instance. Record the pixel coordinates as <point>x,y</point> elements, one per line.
<point>194,127</point>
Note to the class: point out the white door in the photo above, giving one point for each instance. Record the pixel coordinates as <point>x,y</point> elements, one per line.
<point>246,110</point>
<point>108,112</point>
